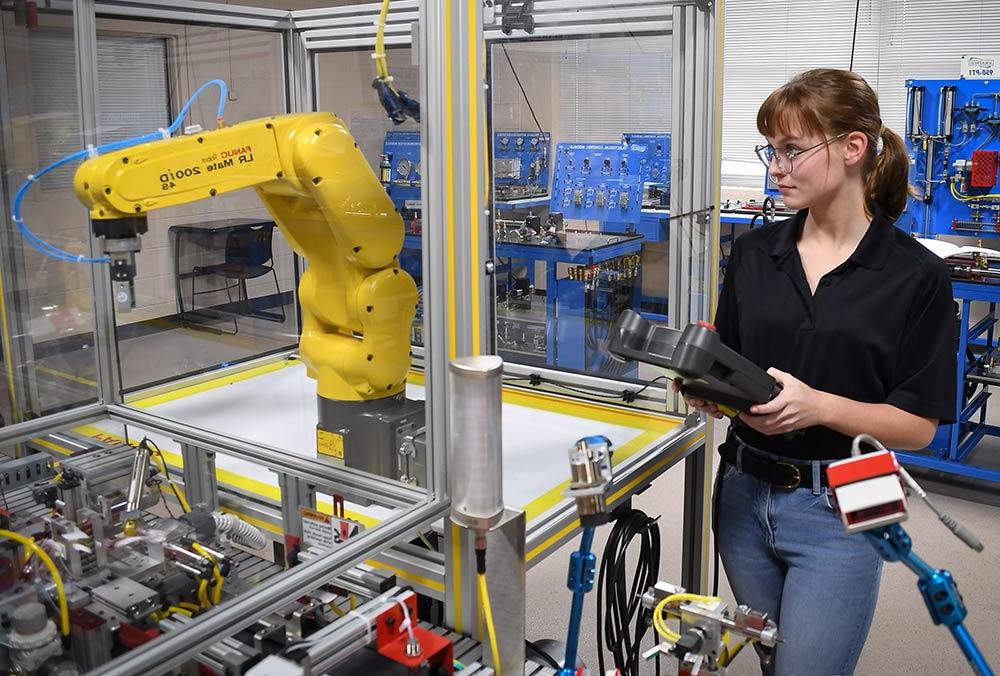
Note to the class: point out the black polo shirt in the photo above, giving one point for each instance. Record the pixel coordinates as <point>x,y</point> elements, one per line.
<point>881,327</point>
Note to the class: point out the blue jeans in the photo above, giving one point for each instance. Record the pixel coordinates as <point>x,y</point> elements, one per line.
<point>786,553</point>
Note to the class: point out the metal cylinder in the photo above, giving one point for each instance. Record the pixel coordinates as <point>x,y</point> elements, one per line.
<point>585,474</point>
<point>915,102</point>
<point>946,112</point>
<point>138,479</point>
<point>475,451</point>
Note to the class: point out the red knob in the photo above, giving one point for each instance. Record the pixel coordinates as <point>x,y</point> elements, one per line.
<point>707,325</point>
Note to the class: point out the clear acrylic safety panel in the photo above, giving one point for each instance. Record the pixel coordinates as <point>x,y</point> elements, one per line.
<point>201,300</point>
<point>581,188</point>
<point>48,323</point>
<point>344,87</point>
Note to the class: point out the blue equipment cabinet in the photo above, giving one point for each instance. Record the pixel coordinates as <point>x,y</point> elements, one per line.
<point>400,169</point>
<point>953,139</point>
<point>520,165</point>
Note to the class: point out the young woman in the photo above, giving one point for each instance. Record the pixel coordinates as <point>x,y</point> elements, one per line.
<point>856,320</point>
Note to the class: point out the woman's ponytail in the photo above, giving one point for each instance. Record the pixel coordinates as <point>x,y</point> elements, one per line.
<point>887,186</point>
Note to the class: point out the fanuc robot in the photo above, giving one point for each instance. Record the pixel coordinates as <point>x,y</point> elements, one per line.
<point>357,304</point>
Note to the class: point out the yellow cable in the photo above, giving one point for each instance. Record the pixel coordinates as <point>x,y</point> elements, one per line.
<point>353,601</point>
<point>189,606</point>
<point>203,594</point>
<point>381,63</point>
<point>337,609</point>
<point>488,612</point>
<point>970,198</point>
<point>216,573</point>
<point>217,589</point>
<point>176,609</point>
<point>660,621</point>
<point>161,464</point>
<point>53,571</point>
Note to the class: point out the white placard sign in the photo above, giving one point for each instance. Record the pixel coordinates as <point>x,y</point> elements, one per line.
<point>980,67</point>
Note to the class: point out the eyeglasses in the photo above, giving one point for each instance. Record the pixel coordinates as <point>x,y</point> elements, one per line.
<point>768,153</point>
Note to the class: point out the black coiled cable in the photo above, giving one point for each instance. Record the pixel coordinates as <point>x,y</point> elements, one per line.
<point>622,622</point>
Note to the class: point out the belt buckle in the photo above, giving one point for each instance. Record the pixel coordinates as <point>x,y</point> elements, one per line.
<point>798,476</point>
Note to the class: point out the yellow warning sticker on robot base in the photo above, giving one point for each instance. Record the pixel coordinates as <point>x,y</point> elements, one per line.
<point>330,443</point>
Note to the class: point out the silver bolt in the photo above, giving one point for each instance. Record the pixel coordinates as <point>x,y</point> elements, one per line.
<point>413,647</point>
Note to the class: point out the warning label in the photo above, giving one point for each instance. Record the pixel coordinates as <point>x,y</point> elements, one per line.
<point>329,443</point>
<point>325,530</point>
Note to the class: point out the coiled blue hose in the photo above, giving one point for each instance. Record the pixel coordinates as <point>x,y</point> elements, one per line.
<point>61,255</point>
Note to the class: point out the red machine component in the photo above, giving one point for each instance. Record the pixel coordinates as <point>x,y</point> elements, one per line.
<point>391,640</point>
<point>868,490</point>
<point>131,636</point>
<point>984,169</point>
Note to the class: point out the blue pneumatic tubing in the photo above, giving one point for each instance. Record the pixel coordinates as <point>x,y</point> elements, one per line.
<point>61,255</point>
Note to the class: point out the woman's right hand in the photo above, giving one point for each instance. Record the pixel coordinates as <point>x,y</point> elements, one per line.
<point>699,404</point>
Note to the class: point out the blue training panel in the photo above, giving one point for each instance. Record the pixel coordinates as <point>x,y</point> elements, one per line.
<point>521,164</point>
<point>654,162</point>
<point>401,150</point>
<point>947,122</point>
<point>597,182</point>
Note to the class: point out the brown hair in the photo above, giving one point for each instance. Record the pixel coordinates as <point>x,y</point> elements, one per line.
<point>830,102</point>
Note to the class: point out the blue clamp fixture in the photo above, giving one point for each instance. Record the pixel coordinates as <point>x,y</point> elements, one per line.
<point>939,590</point>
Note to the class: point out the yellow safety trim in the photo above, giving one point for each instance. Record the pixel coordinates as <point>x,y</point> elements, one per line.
<point>221,381</point>
<point>407,575</point>
<point>475,211</point>
<point>9,361</point>
<point>713,288</point>
<point>51,446</point>
<point>66,376</point>
<point>561,533</point>
<point>554,496</point>
<point>449,169</point>
<point>590,411</point>
<point>456,569</point>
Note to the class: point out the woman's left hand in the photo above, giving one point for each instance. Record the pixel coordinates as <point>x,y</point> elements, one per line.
<point>797,406</point>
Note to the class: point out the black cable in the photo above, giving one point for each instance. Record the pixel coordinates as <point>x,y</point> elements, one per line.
<point>173,487</point>
<point>854,38</point>
<point>547,658</point>
<point>536,379</point>
<point>646,386</point>
<point>708,209</point>
<point>622,622</point>
<point>523,93</point>
<point>163,496</point>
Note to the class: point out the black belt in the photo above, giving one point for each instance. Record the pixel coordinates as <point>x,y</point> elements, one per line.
<point>780,473</point>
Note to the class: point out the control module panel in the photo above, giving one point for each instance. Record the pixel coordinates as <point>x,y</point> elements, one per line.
<point>597,182</point>
<point>521,164</point>
<point>652,152</point>
<point>400,170</point>
<point>953,140</point>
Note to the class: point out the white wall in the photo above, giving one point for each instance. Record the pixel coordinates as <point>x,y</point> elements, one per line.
<point>768,41</point>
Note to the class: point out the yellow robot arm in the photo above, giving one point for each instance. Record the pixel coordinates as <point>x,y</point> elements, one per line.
<point>357,304</point>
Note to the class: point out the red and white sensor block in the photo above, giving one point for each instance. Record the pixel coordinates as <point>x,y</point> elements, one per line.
<point>868,490</point>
